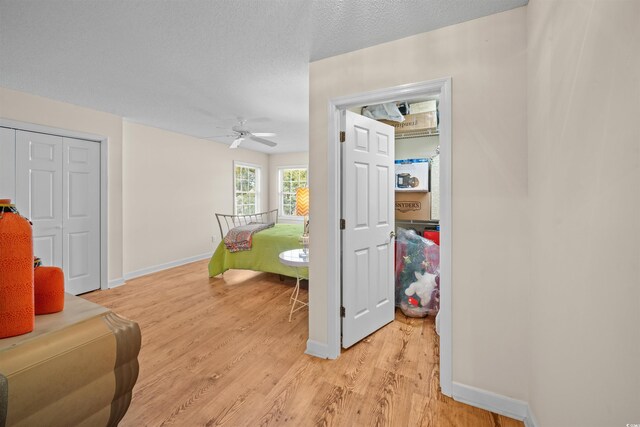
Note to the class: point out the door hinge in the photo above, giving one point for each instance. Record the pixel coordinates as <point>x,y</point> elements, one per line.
<point>343,312</point>
<point>342,224</point>
<point>343,136</point>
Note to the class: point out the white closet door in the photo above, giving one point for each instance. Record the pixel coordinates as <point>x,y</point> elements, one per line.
<point>39,191</point>
<point>58,189</point>
<point>7,164</point>
<point>81,213</point>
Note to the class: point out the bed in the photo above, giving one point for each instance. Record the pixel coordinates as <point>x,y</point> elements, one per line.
<point>266,246</point>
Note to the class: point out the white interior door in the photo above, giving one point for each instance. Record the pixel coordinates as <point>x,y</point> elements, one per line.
<point>367,242</point>
<point>81,215</point>
<point>39,191</point>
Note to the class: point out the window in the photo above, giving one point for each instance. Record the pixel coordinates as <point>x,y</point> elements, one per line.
<point>246,178</point>
<point>291,178</point>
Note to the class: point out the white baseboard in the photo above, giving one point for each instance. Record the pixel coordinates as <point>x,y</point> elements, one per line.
<point>530,420</point>
<point>493,402</point>
<point>166,265</point>
<point>318,349</point>
<point>116,282</point>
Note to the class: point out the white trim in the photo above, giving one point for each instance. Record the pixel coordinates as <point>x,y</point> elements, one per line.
<point>165,266</point>
<point>490,401</point>
<point>258,193</point>
<point>49,130</point>
<point>116,282</point>
<point>335,107</point>
<point>530,419</point>
<point>446,239</point>
<point>334,255</point>
<point>104,214</point>
<point>104,181</point>
<point>317,349</point>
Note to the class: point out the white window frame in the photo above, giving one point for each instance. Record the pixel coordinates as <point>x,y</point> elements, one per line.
<point>281,170</point>
<point>258,169</point>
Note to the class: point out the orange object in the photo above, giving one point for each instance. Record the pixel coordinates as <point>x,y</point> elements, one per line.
<point>48,289</point>
<point>302,209</point>
<point>16,272</point>
<point>302,201</point>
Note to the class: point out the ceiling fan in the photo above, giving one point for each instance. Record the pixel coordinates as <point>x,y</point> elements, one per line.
<point>241,133</point>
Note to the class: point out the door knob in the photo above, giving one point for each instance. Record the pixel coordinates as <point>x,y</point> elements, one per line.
<point>392,235</point>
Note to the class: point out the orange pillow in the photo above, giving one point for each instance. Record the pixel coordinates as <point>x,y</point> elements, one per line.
<point>48,289</point>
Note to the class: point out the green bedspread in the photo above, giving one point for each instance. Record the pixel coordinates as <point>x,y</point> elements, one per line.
<point>263,256</point>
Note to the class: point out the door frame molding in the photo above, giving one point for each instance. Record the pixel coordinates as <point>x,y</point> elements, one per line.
<point>104,195</point>
<point>334,258</point>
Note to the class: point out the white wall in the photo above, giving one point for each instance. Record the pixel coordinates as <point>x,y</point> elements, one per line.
<point>486,59</point>
<point>173,186</point>
<point>280,160</point>
<point>33,109</point>
<point>584,181</point>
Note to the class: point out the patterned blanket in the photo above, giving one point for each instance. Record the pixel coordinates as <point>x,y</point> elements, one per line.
<point>239,238</point>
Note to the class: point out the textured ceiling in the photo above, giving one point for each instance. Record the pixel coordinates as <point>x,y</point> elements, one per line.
<point>195,66</point>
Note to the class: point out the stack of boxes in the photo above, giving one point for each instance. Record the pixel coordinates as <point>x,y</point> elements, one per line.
<point>413,197</point>
<point>412,189</point>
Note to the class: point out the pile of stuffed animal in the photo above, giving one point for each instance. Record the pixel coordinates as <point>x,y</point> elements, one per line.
<point>417,274</point>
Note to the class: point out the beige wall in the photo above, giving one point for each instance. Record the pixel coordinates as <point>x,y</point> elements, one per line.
<point>280,160</point>
<point>486,59</point>
<point>584,178</point>
<point>173,186</point>
<point>148,166</point>
<point>28,108</point>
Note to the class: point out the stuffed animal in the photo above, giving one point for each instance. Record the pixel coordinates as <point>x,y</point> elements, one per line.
<point>423,287</point>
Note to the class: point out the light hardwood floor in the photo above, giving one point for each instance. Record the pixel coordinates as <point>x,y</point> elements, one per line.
<point>221,352</point>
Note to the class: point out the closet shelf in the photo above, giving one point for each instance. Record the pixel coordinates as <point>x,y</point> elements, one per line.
<point>415,221</point>
<point>417,134</point>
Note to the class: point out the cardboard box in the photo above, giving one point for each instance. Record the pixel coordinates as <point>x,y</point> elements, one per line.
<point>412,175</point>
<point>413,206</point>
<point>415,122</point>
<point>423,107</point>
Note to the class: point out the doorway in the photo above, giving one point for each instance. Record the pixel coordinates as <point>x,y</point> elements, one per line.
<point>409,92</point>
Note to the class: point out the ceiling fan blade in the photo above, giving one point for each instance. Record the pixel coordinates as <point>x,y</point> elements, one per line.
<point>263,133</point>
<point>262,140</point>
<point>220,136</point>
<point>236,142</point>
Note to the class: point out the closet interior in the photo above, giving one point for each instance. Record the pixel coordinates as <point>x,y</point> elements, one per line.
<point>417,200</point>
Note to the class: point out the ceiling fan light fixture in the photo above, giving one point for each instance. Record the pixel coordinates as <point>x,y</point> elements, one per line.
<point>242,134</point>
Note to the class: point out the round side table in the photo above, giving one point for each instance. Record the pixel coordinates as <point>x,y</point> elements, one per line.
<point>297,259</point>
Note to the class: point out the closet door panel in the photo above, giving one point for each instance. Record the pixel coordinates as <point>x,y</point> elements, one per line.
<point>39,191</point>
<point>45,246</point>
<point>42,206</point>
<point>7,164</point>
<point>81,215</point>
